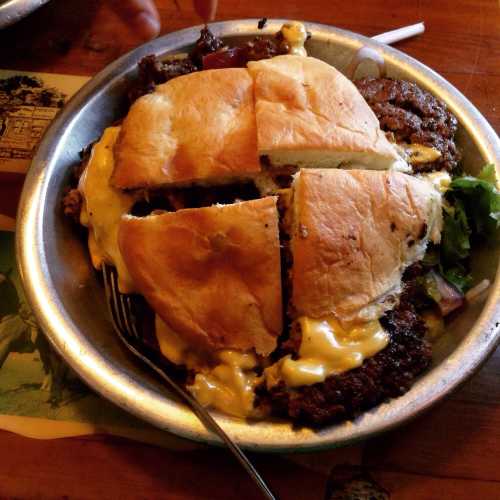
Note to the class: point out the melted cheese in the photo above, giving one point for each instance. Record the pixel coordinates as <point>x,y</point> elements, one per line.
<point>175,348</point>
<point>171,345</point>
<point>327,348</point>
<point>103,207</point>
<point>229,386</point>
<point>418,153</point>
<point>296,35</point>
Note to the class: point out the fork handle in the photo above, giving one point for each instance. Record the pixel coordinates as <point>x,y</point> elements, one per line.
<point>211,424</point>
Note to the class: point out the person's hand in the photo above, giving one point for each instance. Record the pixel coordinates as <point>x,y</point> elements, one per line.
<point>142,15</point>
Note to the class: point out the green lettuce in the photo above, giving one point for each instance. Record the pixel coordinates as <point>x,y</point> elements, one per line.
<point>458,276</point>
<point>471,215</point>
<point>455,238</point>
<point>481,201</point>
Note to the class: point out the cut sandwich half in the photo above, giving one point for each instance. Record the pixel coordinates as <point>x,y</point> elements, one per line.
<point>354,232</point>
<point>310,115</point>
<point>195,128</point>
<point>212,274</point>
<point>352,235</point>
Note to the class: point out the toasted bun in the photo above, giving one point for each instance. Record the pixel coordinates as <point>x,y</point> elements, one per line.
<point>354,233</point>
<point>212,274</point>
<point>197,127</point>
<point>310,115</point>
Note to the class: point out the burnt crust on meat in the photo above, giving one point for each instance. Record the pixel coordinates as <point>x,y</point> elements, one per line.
<point>154,72</point>
<point>414,116</point>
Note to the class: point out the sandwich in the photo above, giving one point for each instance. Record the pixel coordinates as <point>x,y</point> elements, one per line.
<point>310,115</point>
<point>351,234</point>
<point>207,256</point>
<point>195,128</point>
<point>314,303</point>
<point>212,275</point>
<point>212,126</point>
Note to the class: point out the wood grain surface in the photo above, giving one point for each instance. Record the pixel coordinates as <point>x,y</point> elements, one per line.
<point>453,451</point>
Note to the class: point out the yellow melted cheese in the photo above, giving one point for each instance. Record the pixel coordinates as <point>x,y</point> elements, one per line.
<point>327,348</point>
<point>175,348</point>
<point>229,386</point>
<point>418,153</point>
<point>103,207</point>
<point>296,35</point>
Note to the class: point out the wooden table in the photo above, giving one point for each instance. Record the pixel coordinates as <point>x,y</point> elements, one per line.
<point>451,452</point>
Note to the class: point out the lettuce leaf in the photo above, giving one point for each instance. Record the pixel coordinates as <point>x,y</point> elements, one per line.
<point>480,199</point>
<point>455,238</point>
<point>459,277</point>
<point>471,216</point>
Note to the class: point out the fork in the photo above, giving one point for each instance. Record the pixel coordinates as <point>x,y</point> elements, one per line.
<point>120,309</point>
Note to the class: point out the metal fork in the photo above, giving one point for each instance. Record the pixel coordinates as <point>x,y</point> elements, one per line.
<point>120,309</point>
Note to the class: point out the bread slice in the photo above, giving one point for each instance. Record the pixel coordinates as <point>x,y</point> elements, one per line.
<point>212,274</point>
<point>195,128</point>
<point>353,234</point>
<point>310,115</point>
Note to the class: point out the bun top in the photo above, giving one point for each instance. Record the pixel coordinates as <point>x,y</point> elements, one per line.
<point>212,274</point>
<point>309,114</point>
<point>354,233</point>
<point>195,127</point>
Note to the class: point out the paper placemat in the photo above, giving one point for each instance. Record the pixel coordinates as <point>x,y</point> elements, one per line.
<point>28,103</point>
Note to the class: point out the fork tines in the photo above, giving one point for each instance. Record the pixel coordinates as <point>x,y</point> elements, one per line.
<point>120,306</point>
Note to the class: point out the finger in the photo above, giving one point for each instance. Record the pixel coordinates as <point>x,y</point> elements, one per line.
<point>140,15</point>
<point>206,9</point>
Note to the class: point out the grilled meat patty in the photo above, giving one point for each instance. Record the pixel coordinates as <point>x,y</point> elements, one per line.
<point>414,116</point>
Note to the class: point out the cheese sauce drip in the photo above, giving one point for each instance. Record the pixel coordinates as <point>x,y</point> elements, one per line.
<point>326,349</point>
<point>103,207</point>
<point>229,386</point>
<point>174,348</point>
<point>296,35</point>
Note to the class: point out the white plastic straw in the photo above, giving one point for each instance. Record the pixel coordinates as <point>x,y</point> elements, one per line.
<point>474,293</point>
<point>400,34</point>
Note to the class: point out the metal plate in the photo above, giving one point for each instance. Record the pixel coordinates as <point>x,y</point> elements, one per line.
<point>12,11</point>
<point>66,294</point>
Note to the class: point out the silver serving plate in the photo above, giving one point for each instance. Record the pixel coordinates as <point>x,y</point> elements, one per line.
<point>68,299</point>
<point>12,11</point>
